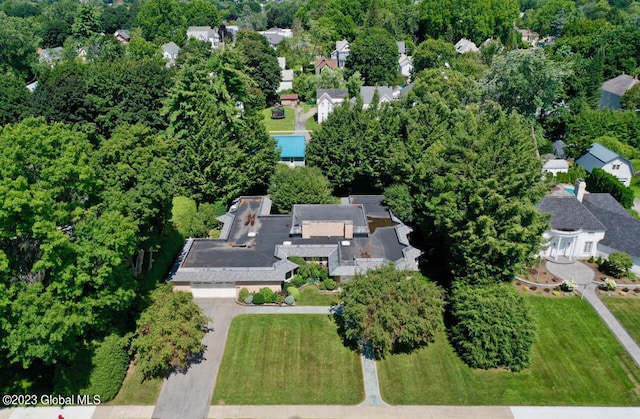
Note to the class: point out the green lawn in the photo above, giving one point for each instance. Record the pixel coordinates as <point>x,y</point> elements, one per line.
<point>635,186</point>
<point>135,391</point>
<point>576,361</point>
<point>636,164</point>
<point>286,124</point>
<point>287,359</point>
<point>627,311</point>
<point>310,296</point>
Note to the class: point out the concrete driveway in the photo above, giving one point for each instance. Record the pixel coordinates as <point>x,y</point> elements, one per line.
<point>188,394</point>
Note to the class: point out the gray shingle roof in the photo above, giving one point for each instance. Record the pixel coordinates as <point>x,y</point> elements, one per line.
<point>171,48</point>
<point>619,85</point>
<point>568,213</point>
<point>597,156</point>
<point>332,93</point>
<point>623,231</point>
<point>367,92</point>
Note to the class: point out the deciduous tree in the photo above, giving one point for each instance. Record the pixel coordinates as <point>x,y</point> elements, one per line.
<point>300,185</point>
<point>375,55</point>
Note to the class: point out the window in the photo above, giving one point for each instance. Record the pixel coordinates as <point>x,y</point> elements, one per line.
<point>588,246</point>
<point>615,167</point>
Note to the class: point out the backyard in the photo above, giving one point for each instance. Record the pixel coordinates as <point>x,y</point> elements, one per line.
<point>280,125</point>
<point>287,359</point>
<point>576,361</point>
<point>627,311</point>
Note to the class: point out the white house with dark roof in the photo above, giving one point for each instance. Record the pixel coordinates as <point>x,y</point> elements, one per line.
<point>599,156</point>
<point>555,166</point>
<point>327,100</point>
<point>612,90</point>
<point>575,232</point>
<point>204,34</point>
<point>385,95</point>
<point>170,53</point>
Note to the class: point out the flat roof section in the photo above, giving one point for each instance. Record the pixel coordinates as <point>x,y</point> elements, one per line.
<point>373,205</point>
<point>331,212</point>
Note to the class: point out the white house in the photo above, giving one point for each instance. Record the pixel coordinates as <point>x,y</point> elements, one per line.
<point>575,232</point>
<point>385,95</point>
<point>341,52</point>
<point>405,65</point>
<point>327,100</point>
<point>464,45</point>
<point>555,166</point>
<point>170,52</point>
<point>204,34</point>
<point>599,156</point>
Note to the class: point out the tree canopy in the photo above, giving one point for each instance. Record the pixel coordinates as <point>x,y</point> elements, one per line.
<point>375,55</point>
<point>394,310</point>
<point>300,185</point>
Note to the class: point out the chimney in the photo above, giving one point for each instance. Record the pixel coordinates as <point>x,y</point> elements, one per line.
<point>580,188</point>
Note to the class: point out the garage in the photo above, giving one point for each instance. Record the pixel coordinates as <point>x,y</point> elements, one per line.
<point>213,290</point>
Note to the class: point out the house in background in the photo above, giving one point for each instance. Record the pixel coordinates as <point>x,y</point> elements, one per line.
<point>529,37</point>
<point>292,149</point>
<point>558,148</point>
<point>348,238</point>
<point>327,100</point>
<point>289,99</point>
<point>204,34</point>
<point>276,35</point>
<point>612,90</point>
<point>385,95</point>
<point>50,56</point>
<point>599,156</point>
<point>405,66</point>
<point>341,52</point>
<point>286,76</point>
<point>464,46</point>
<point>123,36</point>
<point>170,53</point>
<point>575,232</point>
<point>555,166</point>
<point>321,63</point>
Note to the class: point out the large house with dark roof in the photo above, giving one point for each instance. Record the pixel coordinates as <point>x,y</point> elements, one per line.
<point>612,90</point>
<point>599,156</point>
<point>588,224</point>
<point>349,238</point>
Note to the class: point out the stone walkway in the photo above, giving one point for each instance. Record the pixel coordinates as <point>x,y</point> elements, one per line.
<point>372,395</point>
<point>583,275</point>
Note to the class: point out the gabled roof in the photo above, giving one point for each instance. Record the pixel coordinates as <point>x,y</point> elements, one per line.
<point>123,33</point>
<point>598,155</point>
<point>558,147</point>
<point>332,94</point>
<point>556,164</point>
<point>342,46</point>
<point>291,145</point>
<point>171,48</point>
<point>619,85</point>
<point>623,231</point>
<point>567,213</point>
<point>401,47</point>
<point>324,62</point>
<point>367,92</point>
<point>464,45</point>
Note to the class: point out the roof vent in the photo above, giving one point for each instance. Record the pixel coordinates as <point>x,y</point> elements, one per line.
<point>345,243</point>
<point>252,234</point>
<point>287,243</point>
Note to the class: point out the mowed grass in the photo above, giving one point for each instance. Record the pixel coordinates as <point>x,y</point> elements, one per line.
<point>627,311</point>
<point>286,124</point>
<point>310,296</point>
<point>576,361</point>
<point>287,359</point>
<point>137,392</point>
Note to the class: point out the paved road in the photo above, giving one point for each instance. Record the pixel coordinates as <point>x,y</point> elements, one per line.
<point>583,275</point>
<point>188,395</point>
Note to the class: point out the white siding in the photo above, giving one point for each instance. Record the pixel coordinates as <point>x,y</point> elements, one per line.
<point>623,173</point>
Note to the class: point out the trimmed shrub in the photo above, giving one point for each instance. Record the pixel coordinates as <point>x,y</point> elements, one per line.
<point>492,326</point>
<point>568,286</point>
<point>297,260</point>
<point>599,261</point>
<point>249,299</point>
<point>279,298</point>
<point>294,292</point>
<point>622,293</point>
<point>298,281</point>
<point>601,181</point>
<point>329,284</point>
<point>243,294</point>
<point>258,298</point>
<point>556,293</point>
<point>609,284</point>
<point>269,295</point>
<point>591,259</point>
<point>617,264</point>
<point>289,300</point>
<point>287,285</point>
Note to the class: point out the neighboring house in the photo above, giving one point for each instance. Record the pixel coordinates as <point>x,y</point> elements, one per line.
<point>529,37</point>
<point>282,63</point>
<point>276,35</point>
<point>289,99</point>
<point>402,49</point>
<point>575,232</point>
<point>558,148</point>
<point>205,34</point>
<point>123,36</point>
<point>555,166</point>
<point>623,231</point>
<point>322,63</point>
<point>464,45</point>
<point>341,52</point>
<point>546,41</point>
<point>170,53</point>
<point>612,90</point>
<point>31,87</point>
<point>599,156</point>
<point>327,100</point>
<point>286,80</point>
<point>292,149</point>
<point>50,56</point>
<point>385,95</point>
<point>254,245</point>
<point>405,66</point>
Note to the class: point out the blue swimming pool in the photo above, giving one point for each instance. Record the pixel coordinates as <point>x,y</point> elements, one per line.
<point>573,191</point>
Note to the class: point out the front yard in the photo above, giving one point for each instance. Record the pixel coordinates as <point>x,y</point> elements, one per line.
<point>576,361</point>
<point>287,359</point>
<point>627,311</point>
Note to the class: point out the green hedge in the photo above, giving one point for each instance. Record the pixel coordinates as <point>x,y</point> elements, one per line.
<point>601,181</point>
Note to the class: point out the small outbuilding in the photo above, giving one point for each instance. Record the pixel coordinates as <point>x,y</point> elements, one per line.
<point>289,99</point>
